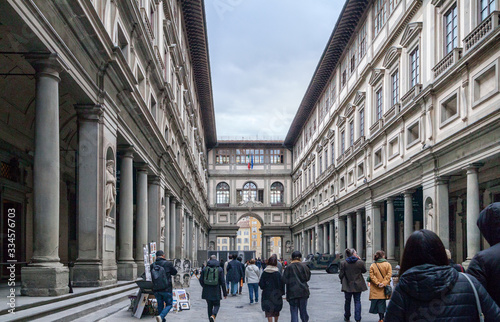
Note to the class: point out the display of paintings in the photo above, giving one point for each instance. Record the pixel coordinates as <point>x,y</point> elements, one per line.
<point>177,283</point>
<point>178,265</point>
<point>186,266</point>
<point>152,247</point>
<point>186,277</point>
<point>184,306</point>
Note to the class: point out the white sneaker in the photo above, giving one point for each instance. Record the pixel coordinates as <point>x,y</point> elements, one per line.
<point>158,318</point>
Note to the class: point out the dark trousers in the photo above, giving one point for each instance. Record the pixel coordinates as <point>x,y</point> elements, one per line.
<point>297,305</point>
<point>357,305</point>
<point>213,307</point>
<point>164,301</point>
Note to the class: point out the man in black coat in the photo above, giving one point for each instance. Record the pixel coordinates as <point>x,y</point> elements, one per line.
<point>353,283</point>
<point>164,297</point>
<point>212,293</point>
<point>296,276</point>
<point>485,266</point>
<point>234,274</point>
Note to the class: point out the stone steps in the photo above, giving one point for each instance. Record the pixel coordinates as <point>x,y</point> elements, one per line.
<point>73,306</point>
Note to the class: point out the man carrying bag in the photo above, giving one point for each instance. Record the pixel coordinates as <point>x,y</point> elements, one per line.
<point>161,276</point>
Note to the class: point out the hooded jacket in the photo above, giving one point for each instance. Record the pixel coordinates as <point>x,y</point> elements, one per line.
<point>235,271</point>
<point>438,293</point>
<point>485,266</point>
<point>169,270</point>
<point>213,292</point>
<point>252,274</point>
<point>350,274</point>
<point>296,276</point>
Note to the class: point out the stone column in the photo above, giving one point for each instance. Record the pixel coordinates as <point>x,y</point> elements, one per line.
<point>141,222</point>
<point>302,243</point>
<point>332,237</point>
<point>350,237</point>
<point>342,237</point>
<point>325,239</point>
<point>377,228</point>
<point>315,239</point>
<point>472,214</point>
<point>442,211</point>
<point>408,219</point>
<point>319,238</point>
<point>391,238</point>
<point>166,241</point>
<point>359,233</point>
<point>178,229</point>
<point>173,228</point>
<point>192,238</point>
<point>45,275</point>
<point>88,270</point>
<point>127,268</point>
<point>154,209</point>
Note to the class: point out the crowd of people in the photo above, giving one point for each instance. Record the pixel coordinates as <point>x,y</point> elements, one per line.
<point>428,286</point>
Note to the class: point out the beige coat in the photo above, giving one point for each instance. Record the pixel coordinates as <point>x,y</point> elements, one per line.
<point>376,278</point>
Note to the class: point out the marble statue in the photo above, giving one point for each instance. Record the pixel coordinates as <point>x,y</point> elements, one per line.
<point>430,217</point>
<point>162,222</point>
<point>110,192</point>
<point>368,231</point>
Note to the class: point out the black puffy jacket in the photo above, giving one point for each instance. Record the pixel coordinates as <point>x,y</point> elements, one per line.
<point>485,266</point>
<point>438,293</point>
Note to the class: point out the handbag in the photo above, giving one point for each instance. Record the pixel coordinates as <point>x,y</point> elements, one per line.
<point>387,288</point>
<point>478,304</point>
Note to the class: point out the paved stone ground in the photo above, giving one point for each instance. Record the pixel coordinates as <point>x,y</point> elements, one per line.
<point>325,304</point>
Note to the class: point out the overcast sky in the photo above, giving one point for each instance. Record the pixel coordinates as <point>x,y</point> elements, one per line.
<point>262,56</point>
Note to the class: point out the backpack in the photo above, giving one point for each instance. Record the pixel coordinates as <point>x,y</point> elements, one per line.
<point>211,276</point>
<point>159,278</point>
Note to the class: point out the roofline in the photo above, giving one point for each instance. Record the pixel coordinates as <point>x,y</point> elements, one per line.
<point>346,23</point>
<point>196,28</point>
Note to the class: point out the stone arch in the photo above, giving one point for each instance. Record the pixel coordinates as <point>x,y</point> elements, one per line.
<point>253,215</point>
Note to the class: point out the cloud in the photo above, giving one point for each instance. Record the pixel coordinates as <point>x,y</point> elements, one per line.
<point>263,55</point>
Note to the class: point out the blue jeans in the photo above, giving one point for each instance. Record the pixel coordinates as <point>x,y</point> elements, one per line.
<point>253,288</point>
<point>164,300</point>
<point>357,305</point>
<point>234,287</point>
<point>295,306</point>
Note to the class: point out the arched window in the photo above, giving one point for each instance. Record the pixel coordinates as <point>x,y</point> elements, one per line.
<point>249,192</point>
<point>222,194</point>
<point>277,193</point>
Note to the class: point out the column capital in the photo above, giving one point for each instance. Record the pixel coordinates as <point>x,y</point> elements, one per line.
<point>389,199</point>
<point>154,179</point>
<point>141,166</point>
<point>408,192</point>
<point>89,112</point>
<point>473,167</point>
<point>126,151</point>
<point>47,64</point>
<point>442,180</point>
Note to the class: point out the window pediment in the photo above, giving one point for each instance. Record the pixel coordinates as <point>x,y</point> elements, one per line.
<point>359,98</point>
<point>376,76</point>
<point>349,110</point>
<point>412,30</point>
<point>392,56</point>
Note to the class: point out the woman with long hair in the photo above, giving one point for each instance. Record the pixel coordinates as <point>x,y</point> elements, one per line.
<point>380,277</point>
<point>273,288</point>
<point>431,290</point>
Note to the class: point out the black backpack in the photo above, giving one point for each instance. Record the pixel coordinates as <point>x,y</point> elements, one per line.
<point>211,276</point>
<point>159,278</point>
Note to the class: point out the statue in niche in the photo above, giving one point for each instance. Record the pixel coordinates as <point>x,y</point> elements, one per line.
<point>430,217</point>
<point>337,236</point>
<point>368,231</point>
<point>110,192</point>
<point>162,222</point>
<point>288,246</point>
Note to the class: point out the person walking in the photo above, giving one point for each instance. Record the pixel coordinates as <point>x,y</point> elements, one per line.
<point>243,267</point>
<point>252,275</point>
<point>353,283</point>
<point>430,289</point>
<point>485,266</point>
<point>380,277</point>
<point>234,274</point>
<point>163,289</point>
<point>212,283</point>
<point>273,287</point>
<point>296,276</point>
<point>225,272</point>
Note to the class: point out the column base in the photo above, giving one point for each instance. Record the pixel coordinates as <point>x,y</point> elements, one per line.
<point>127,270</point>
<point>91,274</point>
<point>38,280</point>
<point>140,267</point>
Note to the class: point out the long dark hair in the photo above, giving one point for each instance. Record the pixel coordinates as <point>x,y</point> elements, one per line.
<point>423,247</point>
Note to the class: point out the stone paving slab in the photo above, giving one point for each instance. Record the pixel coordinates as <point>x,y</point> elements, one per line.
<point>325,304</point>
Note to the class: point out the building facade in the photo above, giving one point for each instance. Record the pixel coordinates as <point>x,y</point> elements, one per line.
<point>399,129</point>
<point>106,120</point>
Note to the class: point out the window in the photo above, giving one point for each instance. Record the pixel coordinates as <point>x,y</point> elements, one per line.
<point>393,147</point>
<point>326,158</point>
<point>332,148</point>
<point>380,15</point>
<point>246,248</point>
<point>351,133</point>
<point>310,177</point>
<point>320,198</point>
<point>141,82</point>
<point>254,230</point>
<point>245,240</point>
<point>342,183</point>
<point>487,7</point>
<point>249,192</point>
<point>451,29</point>
<point>333,90</point>
<point>313,171</point>
<point>377,158</point>
<point>362,41</point>
<point>254,236</point>
<point>361,122</point>
<point>122,42</point>
<point>276,156</point>
<point>239,233</point>
<point>414,67</point>
<point>350,177</point>
<point>395,87</point>
<point>320,164</point>
<point>222,156</point>
<point>392,5</point>
<point>413,134</point>
<point>254,243</point>
<point>224,247</point>
<point>277,193</point>
<point>449,108</point>
<point>152,105</point>
<point>342,143</point>
<point>222,194</point>
<point>239,241</point>
<point>378,104</point>
<point>246,233</point>
<point>343,76</point>
<point>361,170</point>
<point>352,57</point>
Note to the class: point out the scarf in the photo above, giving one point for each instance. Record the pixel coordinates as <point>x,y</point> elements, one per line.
<point>381,260</point>
<point>271,269</point>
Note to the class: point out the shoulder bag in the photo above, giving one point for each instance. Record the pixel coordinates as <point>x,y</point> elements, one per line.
<point>387,288</point>
<point>478,304</point>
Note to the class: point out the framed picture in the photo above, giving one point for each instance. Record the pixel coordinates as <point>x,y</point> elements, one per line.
<point>184,306</point>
